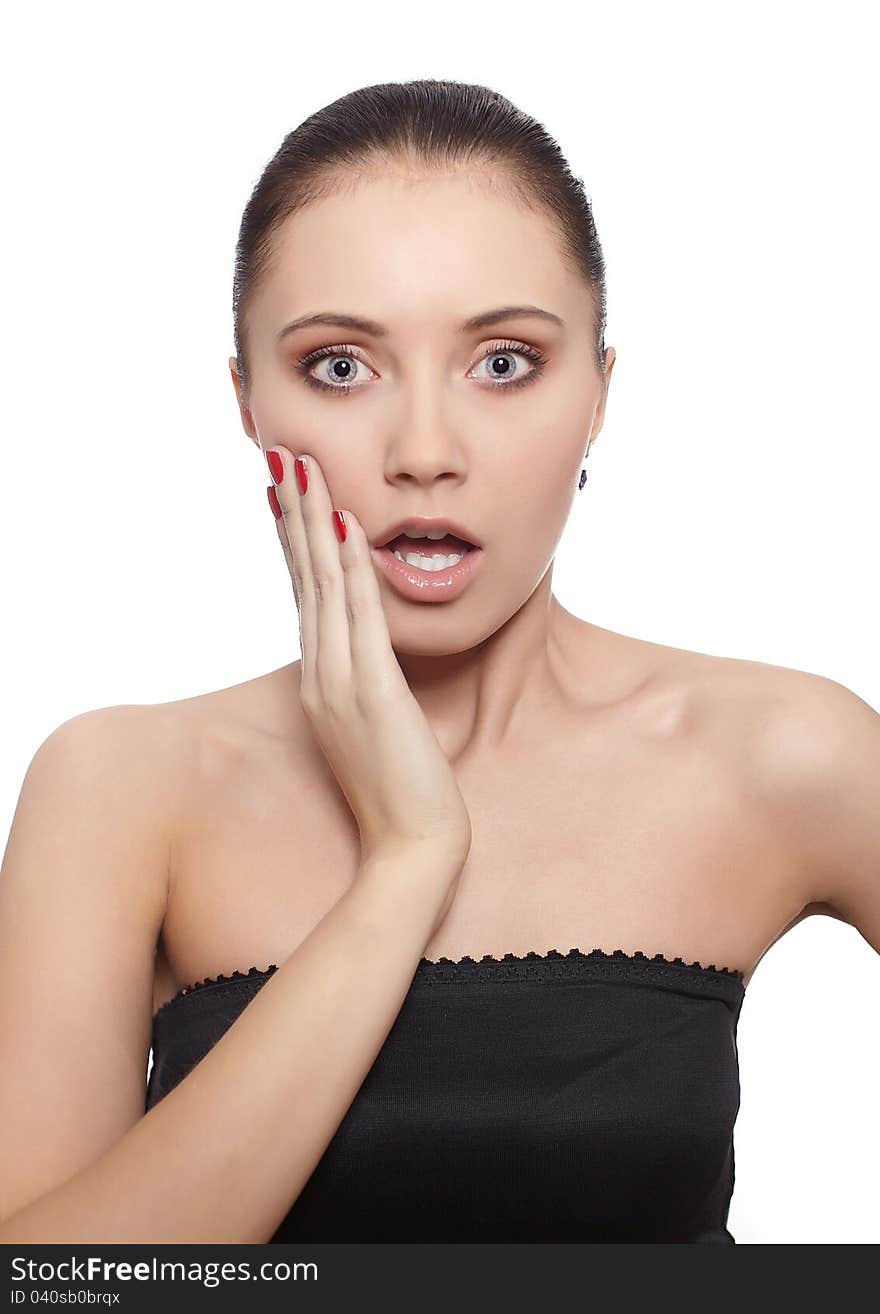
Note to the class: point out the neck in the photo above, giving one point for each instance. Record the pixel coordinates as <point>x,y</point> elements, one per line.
<point>488,696</point>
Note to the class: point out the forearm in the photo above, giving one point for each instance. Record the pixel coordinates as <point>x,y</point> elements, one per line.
<point>224,1155</point>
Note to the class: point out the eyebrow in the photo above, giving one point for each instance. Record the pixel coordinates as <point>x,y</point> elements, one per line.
<point>380,331</point>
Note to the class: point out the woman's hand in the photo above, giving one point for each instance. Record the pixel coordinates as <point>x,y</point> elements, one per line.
<point>389,764</point>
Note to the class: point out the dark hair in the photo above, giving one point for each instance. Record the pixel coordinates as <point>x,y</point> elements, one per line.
<point>428,123</point>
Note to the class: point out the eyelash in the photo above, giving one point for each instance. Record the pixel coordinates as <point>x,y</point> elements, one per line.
<point>304,364</point>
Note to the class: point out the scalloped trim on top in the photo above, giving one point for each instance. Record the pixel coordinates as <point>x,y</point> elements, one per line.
<point>468,963</point>
<point>533,956</point>
<point>220,979</point>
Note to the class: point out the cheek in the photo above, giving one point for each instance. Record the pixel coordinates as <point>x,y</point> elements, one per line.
<point>542,492</point>
<point>538,478</point>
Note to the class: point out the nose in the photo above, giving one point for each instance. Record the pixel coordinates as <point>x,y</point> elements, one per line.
<point>425,444</point>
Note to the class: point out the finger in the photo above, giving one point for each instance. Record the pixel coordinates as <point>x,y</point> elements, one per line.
<point>288,557</point>
<point>333,643</point>
<point>375,668</point>
<point>292,534</point>
<point>283,540</point>
<point>308,517</point>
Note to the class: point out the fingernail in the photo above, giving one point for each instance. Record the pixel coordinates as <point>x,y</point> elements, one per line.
<point>273,501</point>
<point>276,466</point>
<point>302,474</point>
<point>339,526</point>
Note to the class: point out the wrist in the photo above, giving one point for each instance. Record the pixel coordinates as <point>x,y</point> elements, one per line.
<point>407,884</point>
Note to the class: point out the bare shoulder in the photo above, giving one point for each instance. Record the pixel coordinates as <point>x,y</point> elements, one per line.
<point>131,755</point>
<point>811,747</point>
<point>818,754</point>
<point>226,743</point>
<point>130,761</point>
<point>222,728</point>
<point>792,726</point>
<point>806,749</point>
<point>133,745</point>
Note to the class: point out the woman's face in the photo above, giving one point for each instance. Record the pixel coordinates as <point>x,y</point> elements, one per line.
<point>428,425</point>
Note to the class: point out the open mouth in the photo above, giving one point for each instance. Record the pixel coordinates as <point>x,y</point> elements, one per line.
<point>429,553</point>
<point>429,569</point>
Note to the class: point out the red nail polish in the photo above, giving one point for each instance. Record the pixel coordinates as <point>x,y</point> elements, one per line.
<point>339,526</point>
<point>273,502</point>
<point>302,474</point>
<point>276,466</point>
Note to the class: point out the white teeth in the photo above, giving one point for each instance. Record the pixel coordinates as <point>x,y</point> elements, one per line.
<point>437,562</point>
<point>440,532</point>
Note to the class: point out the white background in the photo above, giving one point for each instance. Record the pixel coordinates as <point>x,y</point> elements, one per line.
<point>730,156</point>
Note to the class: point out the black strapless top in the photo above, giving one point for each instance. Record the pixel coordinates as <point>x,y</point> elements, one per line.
<point>558,1098</point>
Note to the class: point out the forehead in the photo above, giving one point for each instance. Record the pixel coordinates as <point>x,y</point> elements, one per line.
<point>417,250</point>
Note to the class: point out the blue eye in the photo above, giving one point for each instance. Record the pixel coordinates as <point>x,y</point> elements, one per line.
<point>496,354</point>
<point>332,353</point>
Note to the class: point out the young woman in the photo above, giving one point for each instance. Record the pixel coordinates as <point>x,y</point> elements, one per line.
<point>442,932</point>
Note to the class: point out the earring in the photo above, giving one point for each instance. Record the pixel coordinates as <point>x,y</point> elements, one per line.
<point>583,478</point>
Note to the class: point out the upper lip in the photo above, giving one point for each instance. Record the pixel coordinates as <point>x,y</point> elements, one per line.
<point>423,523</point>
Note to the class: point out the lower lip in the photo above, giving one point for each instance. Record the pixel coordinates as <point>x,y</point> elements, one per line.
<point>428,585</point>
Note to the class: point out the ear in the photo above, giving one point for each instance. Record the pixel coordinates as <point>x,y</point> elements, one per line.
<point>247,418</point>
<point>610,358</point>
